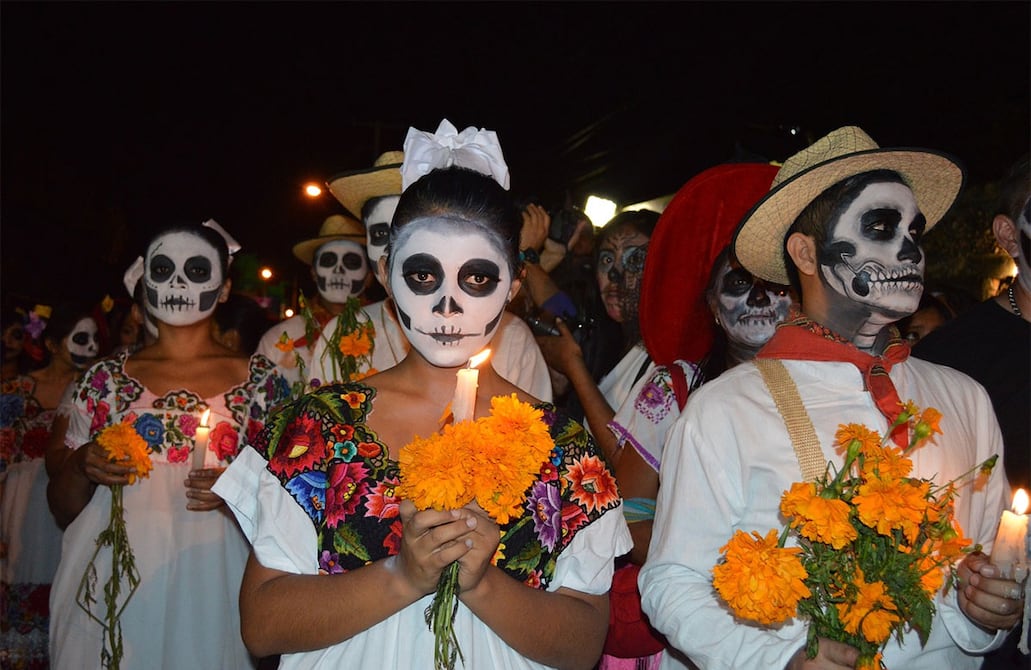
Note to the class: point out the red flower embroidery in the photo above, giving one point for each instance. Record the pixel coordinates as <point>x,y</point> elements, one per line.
<point>369,449</point>
<point>224,441</point>
<point>594,487</point>
<point>34,442</point>
<point>299,449</point>
<point>100,410</point>
<point>178,454</point>
<point>345,487</point>
<point>392,542</point>
<point>381,502</point>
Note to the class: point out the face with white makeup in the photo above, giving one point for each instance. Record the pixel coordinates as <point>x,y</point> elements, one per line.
<point>452,263</point>
<point>339,268</point>
<point>377,213</point>
<point>185,275</point>
<point>871,257</point>
<point>450,281</point>
<point>746,307</point>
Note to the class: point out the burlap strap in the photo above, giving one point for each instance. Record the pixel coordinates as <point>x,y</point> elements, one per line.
<point>803,436</point>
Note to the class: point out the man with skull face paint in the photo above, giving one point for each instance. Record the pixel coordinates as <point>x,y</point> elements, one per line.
<point>341,274</point>
<point>189,552</point>
<point>844,217</point>
<point>452,264</point>
<point>29,538</point>
<point>375,193</point>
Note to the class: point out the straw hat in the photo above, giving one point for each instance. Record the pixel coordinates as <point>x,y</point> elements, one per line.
<point>935,179</point>
<point>354,188</point>
<point>335,227</point>
<point>694,227</point>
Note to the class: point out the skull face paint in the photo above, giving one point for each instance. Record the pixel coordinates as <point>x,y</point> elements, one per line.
<point>83,343</point>
<point>182,277</point>
<point>340,270</point>
<point>450,288</point>
<point>619,270</point>
<point>377,226</point>
<point>872,255</point>
<point>749,308</point>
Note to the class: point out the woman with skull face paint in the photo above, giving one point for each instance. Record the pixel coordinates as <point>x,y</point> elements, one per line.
<point>30,541</point>
<point>188,550</point>
<point>370,561</point>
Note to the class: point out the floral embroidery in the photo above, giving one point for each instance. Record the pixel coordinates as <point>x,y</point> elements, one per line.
<point>224,441</point>
<point>24,424</point>
<point>350,495</point>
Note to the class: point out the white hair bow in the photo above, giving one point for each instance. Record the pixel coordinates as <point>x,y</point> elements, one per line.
<point>474,149</point>
<point>132,276</point>
<point>231,243</point>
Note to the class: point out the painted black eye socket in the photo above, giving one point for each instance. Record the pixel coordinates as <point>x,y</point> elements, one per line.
<point>379,233</point>
<point>161,268</point>
<point>633,258</point>
<point>198,269</point>
<point>327,259</point>
<point>917,227</point>
<point>81,338</point>
<point>352,261</point>
<point>880,224</point>
<point>422,273</point>
<point>479,277</point>
<point>737,282</point>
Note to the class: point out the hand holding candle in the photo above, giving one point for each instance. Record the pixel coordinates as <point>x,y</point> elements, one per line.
<point>1009,553</point>
<point>200,441</point>
<point>463,405</point>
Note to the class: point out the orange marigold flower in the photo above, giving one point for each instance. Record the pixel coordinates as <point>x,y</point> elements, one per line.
<point>817,518</point>
<point>870,610</point>
<point>869,662</point>
<point>932,574</point>
<point>356,344</point>
<point>886,463</point>
<point>760,581</point>
<point>124,445</point>
<point>846,433</point>
<point>927,425</point>
<point>429,476</point>
<point>285,344</point>
<point>893,504</point>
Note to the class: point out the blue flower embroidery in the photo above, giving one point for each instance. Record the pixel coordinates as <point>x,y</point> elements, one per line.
<point>150,428</point>
<point>309,490</point>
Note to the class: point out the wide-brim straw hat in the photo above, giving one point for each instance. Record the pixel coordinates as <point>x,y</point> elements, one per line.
<point>354,188</point>
<point>695,226</point>
<point>335,227</point>
<point>934,177</point>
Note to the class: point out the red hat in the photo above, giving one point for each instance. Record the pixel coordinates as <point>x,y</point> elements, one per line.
<point>695,226</point>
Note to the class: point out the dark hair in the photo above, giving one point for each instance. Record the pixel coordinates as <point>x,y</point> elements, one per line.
<point>242,314</point>
<point>63,318</point>
<point>1014,189</point>
<point>212,237</point>
<point>369,204</point>
<point>827,207</point>
<point>641,220</point>
<point>464,197</point>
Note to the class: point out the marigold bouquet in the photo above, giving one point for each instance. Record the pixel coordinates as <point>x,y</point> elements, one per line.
<point>123,445</point>
<point>874,546</point>
<point>493,461</point>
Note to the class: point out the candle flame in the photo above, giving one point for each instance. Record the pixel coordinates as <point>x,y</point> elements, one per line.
<point>479,358</point>
<point>1020,502</point>
<point>204,417</point>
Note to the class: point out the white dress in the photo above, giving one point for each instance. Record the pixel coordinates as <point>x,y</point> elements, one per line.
<point>184,613</point>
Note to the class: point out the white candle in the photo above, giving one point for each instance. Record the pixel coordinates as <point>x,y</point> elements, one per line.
<point>200,441</point>
<point>463,405</point>
<point>1010,549</point>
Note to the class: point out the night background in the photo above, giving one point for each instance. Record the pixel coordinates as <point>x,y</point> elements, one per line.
<point>118,117</point>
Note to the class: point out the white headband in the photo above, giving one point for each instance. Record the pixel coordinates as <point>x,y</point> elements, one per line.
<point>474,149</point>
<point>231,243</point>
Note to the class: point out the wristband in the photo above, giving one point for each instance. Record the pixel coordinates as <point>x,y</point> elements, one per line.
<point>529,255</point>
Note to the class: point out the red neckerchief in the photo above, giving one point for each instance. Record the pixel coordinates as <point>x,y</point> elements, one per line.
<point>802,339</point>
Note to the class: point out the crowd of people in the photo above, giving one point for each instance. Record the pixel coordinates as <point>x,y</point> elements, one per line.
<point>277,525</point>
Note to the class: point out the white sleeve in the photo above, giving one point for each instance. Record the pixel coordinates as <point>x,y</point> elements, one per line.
<point>586,565</point>
<point>279,531</point>
<point>700,501</point>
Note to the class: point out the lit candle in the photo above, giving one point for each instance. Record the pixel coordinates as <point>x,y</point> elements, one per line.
<point>200,441</point>
<point>463,405</point>
<point>1009,553</point>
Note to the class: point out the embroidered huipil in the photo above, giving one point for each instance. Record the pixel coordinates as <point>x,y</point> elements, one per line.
<point>316,496</point>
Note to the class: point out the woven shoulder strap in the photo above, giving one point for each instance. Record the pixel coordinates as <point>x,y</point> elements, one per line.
<point>803,436</point>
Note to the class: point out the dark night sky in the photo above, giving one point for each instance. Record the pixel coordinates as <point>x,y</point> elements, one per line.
<point>117,117</point>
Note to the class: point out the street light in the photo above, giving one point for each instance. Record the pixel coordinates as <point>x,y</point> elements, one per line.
<point>265,273</point>
<point>599,210</point>
<point>312,190</point>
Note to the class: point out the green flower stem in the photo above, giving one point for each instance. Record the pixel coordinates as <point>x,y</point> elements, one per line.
<point>123,566</point>
<point>440,617</point>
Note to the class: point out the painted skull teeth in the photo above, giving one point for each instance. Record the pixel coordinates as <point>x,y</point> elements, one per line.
<point>178,303</point>
<point>448,336</point>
